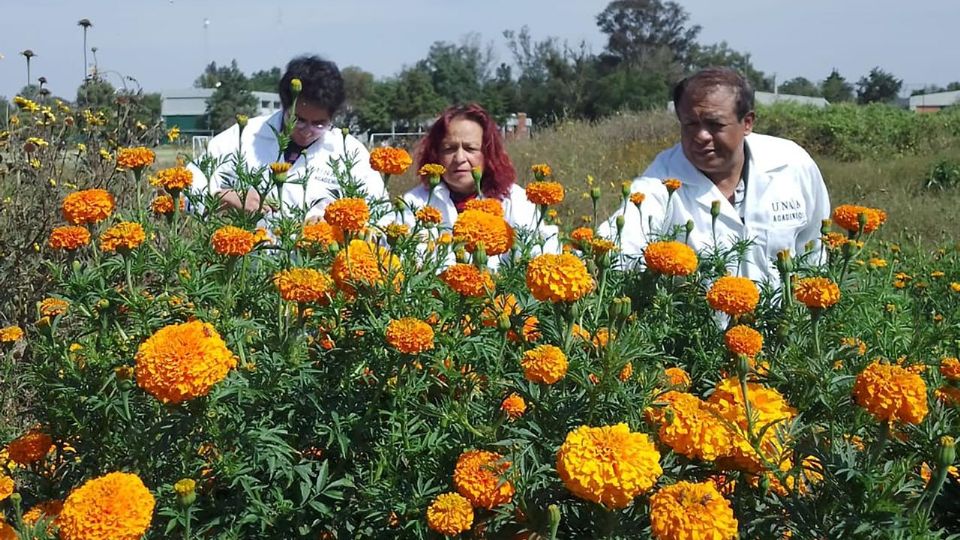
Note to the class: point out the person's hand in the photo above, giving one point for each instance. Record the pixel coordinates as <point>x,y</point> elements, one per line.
<point>250,203</point>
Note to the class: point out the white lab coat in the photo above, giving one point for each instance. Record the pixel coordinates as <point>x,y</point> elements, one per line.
<point>259,147</point>
<point>518,211</point>
<point>786,200</point>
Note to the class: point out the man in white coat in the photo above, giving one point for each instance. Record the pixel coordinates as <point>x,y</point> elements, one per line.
<point>314,143</point>
<point>767,190</point>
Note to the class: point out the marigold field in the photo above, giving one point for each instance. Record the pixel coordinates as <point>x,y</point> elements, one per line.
<point>193,374</point>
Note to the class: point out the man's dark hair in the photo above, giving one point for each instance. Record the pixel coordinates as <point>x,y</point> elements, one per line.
<point>321,80</point>
<point>705,80</point>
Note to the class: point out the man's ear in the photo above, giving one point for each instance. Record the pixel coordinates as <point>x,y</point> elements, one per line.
<point>748,122</point>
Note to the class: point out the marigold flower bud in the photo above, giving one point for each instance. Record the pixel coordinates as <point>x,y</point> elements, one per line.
<point>689,226</point>
<point>296,87</point>
<point>620,223</point>
<point>948,451</point>
<point>715,209</point>
<point>595,194</point>
<point>480,256</point>
<point>242,120</point>
<point>825,227</point>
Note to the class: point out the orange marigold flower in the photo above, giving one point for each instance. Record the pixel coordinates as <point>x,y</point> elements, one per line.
<point>432,170</point>
<point>742,339</point>
<point>670,258</point>
<point>544,364</point>
<point>477,476</point>
<point>319,234</point>
<point>530,331</point>
<point>51,307</point>
<point>545,193</point>
<point>847,216</point>
<point>88,206</point>
<point>450,514</point>
<point>364,264</point>
<point>467,280</point>
<point>691,510</point>
<point>950,368</point>
<point>68,238</point>
<point>817,292</point>
<point>10,334</point>
<point>135,158</point>
<point>180,362</point>
<point>558,278</point>
<point>835,240</point>
<point>410,335</point>
<point>677,378</point>
<point>672,184</point>
<point>502,305</point>
<point>388,160</point>
<point>637,198</point>
<point>44,510</point>
<point>601,246</point>
<point>395,231</point>
<point>122,237</point>
<point>348,214</point>
<point>608,465</point>
<point>162,205</point>
<point>541,170</point>
<point>690,426</point>
<point>490,206</point>
<point>733,295</point>
<point>7,486</point>
<point>582,235</point>
<point>625,372</point>
<point>891,393</point>
<point>174,179</point>
<point>474,227</point>
<point>30,447</point>
<point>113,507</point>
<point>232,241</point>
<point>6,531</point>
<point>949,395</point>
<point>280,168</point>
<point>514,406</point>
<point>428,215</point>
<point>768,407</point>
<point>303,285</point>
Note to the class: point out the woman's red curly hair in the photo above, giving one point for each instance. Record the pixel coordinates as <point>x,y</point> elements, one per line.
<point>498,174</point>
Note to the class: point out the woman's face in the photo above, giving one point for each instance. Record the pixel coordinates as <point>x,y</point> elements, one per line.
<point>460,152</point>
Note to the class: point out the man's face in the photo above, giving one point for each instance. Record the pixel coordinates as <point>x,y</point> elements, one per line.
<point>710,133</point>
<point>311,122</point>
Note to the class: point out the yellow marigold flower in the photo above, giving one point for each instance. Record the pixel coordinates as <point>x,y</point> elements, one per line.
<point>769,408</point>
<point>122,237</point>
<point>687,510</point>
<point>490,206</point>
<point>854,343</point>
<point>45,510</point>
<point>395,231</point>
<point>232,241</point>
<point>6,487</point>
<point>185,486</point>
<point>558,278</point>
<point>514,406</point>
<point>817,292</point>
<point>955,287</point>
<point>137,158</point>
<point>742,339</point>
<point>410,335</point>
<point>677,378</point>
<point>432,170</point>
<point>478,477</point>
<point>174,179</point>
<point>450,514</point>
<point>388,160</point>
<point>582,235</point>
<point>34,143</point>
<point>162,205</point>
<point>950,368</point>
<point>364,264</point>
<point>690,426</point>
<point>541,170</point>
<point>672,184</point>
<point>545,193</point>
<point>625,372</point>
<point>173,134</point>
<point>428,215</point>
<point>670,258</point>
<point>11,334</point>
<point>733,295</point>
<point>876,262</point>
<point>544,364</point>
<point>467,280</point>
<point>26,104</point>
<point>113,507</point>
<point>319,234</point>
<point>348,214</point>
<point>88,206</point>
<point>608,465</point>
<point>602,246</point>
<point>30,447</point>
<point>847,216</point>
<point>51,307</point>
<point>474,227</point>
<point>891,393</point>
<point>180,362</point>
<point>280,167</point>
<point>303,285</point>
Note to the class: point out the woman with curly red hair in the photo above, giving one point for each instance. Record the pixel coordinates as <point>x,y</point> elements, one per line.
<point>464,139</point>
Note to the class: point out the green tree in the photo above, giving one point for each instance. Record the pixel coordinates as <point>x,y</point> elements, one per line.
<point>878,87</point>
<point>721,55</point>
<point>458,72</point>
<point>265,80</point>
<point>95,93</point>
<point>835,88</point>
<point>500,93</point>
<point>637,29</point>
<point>374,111</point>
<point>800,86</point>
<point>414,101</point>
<point>358,85</point>
<point>231,97</point>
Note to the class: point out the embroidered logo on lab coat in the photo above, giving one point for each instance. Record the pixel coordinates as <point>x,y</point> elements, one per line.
<point>787,212</point>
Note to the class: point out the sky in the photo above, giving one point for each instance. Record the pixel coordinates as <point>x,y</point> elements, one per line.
<point>164,44</point>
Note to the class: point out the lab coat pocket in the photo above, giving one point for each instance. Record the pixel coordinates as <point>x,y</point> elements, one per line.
<point>778,239</point>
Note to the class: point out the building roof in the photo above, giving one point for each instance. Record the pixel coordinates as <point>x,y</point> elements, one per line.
<point>193,101</point>
<point>938,99</point>
<point>769,98</point>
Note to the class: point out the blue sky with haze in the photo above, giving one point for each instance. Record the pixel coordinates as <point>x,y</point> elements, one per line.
<point>163,44</point>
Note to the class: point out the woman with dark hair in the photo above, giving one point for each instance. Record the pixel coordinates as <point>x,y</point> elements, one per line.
<point>466,139</point>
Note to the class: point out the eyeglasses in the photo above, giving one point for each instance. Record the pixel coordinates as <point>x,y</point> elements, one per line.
<point>304,124</point>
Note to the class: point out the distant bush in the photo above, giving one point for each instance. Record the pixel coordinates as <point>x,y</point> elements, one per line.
<point>945,174</point>
<point>851,132</point>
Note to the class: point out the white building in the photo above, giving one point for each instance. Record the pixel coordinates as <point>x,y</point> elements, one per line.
<point>187,108</point>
